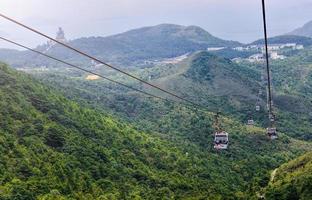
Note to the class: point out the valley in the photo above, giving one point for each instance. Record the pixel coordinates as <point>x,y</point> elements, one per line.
<point>67,134</point>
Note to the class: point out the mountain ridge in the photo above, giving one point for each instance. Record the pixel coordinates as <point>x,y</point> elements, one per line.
<point>128,48</point>
<point>305,30</point>
<point>282,39</point>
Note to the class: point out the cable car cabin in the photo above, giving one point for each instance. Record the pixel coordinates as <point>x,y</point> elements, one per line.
<point>260,92</point>
<point>271,117</point>
<point>257,108</point>
<point>272,133</point>
<point>250,122</point>
<point>221,140</point>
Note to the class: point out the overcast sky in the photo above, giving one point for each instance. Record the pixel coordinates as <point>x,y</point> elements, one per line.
<point>229,19</point>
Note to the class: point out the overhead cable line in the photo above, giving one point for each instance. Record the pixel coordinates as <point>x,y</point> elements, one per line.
<point>82,69</point>
<point>271,130</point>
<point>204,110</point>
<point>99,61</point>
<point>270,106</point>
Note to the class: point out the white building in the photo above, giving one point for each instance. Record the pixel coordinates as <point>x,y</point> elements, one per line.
<point>271,47</point>
<point>274,47</point>
<point>237,60</point>
<point>274,55</point>
<point>256,57</point>
<point>215,48</point>
<point>298,47</point>
<point>238,48</point>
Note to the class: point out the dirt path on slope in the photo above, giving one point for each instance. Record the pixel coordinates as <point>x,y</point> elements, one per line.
<point>273,175</point>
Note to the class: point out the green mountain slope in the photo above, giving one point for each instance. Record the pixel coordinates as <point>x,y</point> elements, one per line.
<point>148,43</point>
<point>292,84</point>
<point>52,147</point>
<point>216,83</point>
<point>292,180</point>
<point>231,88</point>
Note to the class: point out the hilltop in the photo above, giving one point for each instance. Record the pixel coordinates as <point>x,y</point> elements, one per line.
<point>129,48</point>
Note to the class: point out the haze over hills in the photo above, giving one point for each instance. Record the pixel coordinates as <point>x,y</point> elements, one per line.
<point>139,46</point>
<point>282,39</point>
<point>305,30</point>
<point>148,43</point>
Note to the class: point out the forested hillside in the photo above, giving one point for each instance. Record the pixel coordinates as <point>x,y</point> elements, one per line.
<point>292,180</point>
<point>161,112</point>
<point>292,84</point>
<point>212,81</point>
<point>54,148</point>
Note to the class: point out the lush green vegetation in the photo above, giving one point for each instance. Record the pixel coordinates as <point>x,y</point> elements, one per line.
<point>216,83</point>
<point>292,180</point>
<point>53,148</point>
<point>111,143</point>
<point>232,53</point>
<point>293,86</point>
<point>191,130</point>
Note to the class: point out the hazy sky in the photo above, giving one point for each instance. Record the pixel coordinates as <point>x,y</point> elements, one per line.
<point>229,19</point>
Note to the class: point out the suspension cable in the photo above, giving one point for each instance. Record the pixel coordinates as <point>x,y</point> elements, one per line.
<point>99,61</point>
<point>82,69</point>
<point>269,96</point>
<point>187,105</point>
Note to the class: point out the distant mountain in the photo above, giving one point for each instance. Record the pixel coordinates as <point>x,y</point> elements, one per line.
<point>305,30</point>
<point>148,43</point>
<point>306,41</point>
<point>292,180</point>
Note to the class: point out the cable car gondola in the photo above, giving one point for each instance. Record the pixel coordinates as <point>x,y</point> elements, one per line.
<point>250,122</point>
<point>260,92</point>
<point>271,118</point>
<point>221,140</point>
<point>272,133</point>
<point>258,104</point>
